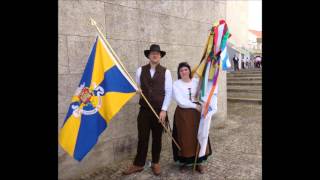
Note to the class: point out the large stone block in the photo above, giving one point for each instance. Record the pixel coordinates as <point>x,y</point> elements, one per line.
<point>121,22</point>
<point>124,123</point>
<point>171,30</point>
<point>127,3</point>
<point>202,12</point>
<point>125,146</point>
<point>67,85</point>
<point>154,27</point>
<point>101,155</point>
<point>191,10</point>
<point>79,49</point>
<point>63,93</point>
<point>127,51</point>
<point>74,17</point>
<point>180,53</point>
<point>63,62</point>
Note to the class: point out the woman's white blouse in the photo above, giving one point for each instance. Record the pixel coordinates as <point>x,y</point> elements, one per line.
<point>182,90</point>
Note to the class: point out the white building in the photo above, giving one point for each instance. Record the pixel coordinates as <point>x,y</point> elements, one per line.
<point>255,42</point>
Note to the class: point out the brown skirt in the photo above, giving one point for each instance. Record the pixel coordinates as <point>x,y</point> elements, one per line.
<point>185,131</point>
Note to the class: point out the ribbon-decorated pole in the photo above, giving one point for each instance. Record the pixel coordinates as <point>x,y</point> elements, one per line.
<point>214,59</point>
<point>93,22</point>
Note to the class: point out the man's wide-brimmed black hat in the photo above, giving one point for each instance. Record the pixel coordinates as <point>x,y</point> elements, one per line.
<point>154,47</point>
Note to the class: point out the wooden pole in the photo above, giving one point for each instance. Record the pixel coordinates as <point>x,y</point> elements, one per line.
<point>122,66</point>
<point>195,159</point>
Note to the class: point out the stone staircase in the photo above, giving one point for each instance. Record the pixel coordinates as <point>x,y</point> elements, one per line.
<point>245,86</point>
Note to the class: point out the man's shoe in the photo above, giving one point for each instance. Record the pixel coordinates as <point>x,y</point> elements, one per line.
<point>156,169</point>
<point>132,169</point>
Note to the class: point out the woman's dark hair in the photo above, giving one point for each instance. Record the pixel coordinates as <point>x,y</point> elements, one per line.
<point>184,64</point>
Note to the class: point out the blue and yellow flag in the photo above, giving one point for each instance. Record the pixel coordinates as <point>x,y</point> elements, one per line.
<point>103,90</point>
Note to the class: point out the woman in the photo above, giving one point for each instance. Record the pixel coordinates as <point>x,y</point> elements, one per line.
<point>186,120</point>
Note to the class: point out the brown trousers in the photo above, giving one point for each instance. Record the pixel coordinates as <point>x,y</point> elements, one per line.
<point>148,121</point>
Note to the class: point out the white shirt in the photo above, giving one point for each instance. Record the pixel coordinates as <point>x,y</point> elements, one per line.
<point>181,93</point>
<point>167,86</point>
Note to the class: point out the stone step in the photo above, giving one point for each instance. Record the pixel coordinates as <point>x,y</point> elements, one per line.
<point>241,83</point>
<point>244,75</point>
<point>243,78</point>
<point>241,75</point>
<point>246,71</point>
<point>239,94</point>
<point>245,100</point>
<point>244,89</point>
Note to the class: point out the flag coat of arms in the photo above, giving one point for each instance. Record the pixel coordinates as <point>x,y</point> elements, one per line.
<point>103,90</point>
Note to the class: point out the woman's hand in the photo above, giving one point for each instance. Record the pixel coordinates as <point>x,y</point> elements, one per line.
<point>199,108</point>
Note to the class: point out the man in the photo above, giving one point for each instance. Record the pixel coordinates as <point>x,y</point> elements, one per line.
<point>247,63</point>
<point>251,63</point>
<point>156,84</point>
<point>242,63</point>
<point>235,62</point>
<point>255,62</point>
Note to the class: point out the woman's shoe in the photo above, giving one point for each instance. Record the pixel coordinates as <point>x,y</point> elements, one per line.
<point>200,169</point>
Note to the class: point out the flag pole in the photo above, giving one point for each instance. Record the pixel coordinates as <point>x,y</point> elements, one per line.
<point>93,22</point>
<point>195,159</point>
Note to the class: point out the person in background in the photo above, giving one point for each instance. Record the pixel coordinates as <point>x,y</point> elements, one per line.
<point>235,62</point>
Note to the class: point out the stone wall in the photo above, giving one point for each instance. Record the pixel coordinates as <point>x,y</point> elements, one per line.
<point>181,29</point>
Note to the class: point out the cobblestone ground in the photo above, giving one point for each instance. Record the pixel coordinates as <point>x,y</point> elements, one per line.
<point>236,152</point>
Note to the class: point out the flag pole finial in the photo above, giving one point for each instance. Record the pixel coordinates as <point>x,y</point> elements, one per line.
<point>93,22</point>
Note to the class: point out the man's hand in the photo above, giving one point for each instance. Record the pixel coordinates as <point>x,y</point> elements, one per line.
<point>162,116</point>
<point>139,91</point>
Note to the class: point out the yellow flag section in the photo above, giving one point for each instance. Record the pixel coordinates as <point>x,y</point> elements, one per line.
<point>119,87</point>
<point>103,90</point>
